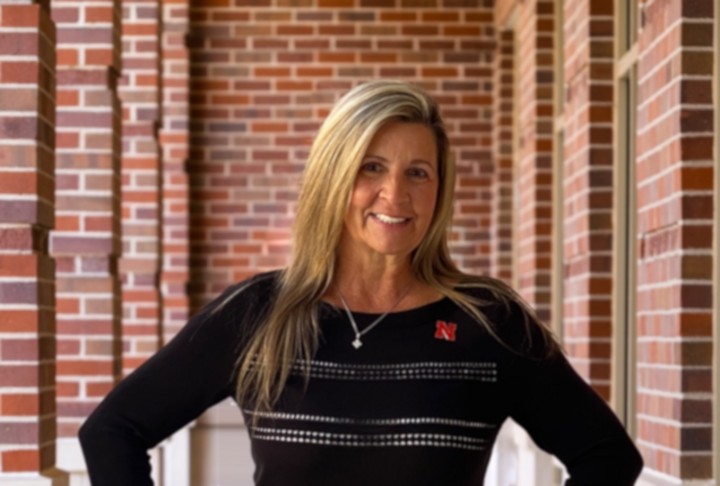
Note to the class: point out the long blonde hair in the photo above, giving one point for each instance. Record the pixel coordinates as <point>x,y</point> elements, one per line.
<point>289,331</point>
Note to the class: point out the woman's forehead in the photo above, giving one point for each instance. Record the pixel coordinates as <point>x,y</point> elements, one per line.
<point>404,139</point>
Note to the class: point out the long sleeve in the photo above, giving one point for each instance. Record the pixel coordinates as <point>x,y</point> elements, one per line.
<point>567,418</point>
<point>193,372</point>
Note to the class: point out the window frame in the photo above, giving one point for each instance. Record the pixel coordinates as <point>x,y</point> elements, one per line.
<point>624,298</point>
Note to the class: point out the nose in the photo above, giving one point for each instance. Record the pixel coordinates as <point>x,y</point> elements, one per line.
<point>395,189</point>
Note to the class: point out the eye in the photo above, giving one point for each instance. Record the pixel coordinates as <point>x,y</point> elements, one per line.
<point>417,172</point>
<point>371,167</point>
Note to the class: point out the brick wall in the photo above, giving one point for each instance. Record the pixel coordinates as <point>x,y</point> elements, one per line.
<point>86,241</point>
<point>502,181</point>
<point>674,295</point>
<point>264,75</point>
<point>588,179</point>
<point>140,265</point>
<point>27,273</point>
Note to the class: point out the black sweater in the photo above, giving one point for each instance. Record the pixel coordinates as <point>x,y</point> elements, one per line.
<point>419,404</point>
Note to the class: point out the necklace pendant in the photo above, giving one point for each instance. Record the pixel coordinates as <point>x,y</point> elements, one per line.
<point>357,343</point>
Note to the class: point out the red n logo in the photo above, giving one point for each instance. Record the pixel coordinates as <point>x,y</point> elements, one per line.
<point>445,330</point>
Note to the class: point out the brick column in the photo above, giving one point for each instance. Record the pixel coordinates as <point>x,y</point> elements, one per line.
<point>675,210</point>
<point>86,242</point>
<point>174,141</point>
<point>501,185</point>
<point>535,151</point>
<point>27,273</point>
<point>141,182</point>
<point>588,164</point>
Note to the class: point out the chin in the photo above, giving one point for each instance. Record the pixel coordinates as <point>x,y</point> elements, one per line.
<point>394,250</point>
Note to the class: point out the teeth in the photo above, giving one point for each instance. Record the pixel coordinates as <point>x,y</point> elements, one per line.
<point>389,219</point>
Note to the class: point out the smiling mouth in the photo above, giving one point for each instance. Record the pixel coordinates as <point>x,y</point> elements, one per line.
<point>383,218</point>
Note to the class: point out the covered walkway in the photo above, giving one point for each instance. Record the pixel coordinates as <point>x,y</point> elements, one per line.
<point>150,153</point>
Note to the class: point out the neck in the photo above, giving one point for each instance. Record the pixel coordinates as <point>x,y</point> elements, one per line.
<point>372,287</point>
<point>372,280</point>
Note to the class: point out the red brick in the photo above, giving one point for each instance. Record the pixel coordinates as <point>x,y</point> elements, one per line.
<point>20,183</point>
<point>272,71</point>
<point>99,57</point>
<point>339,57</point>
<point>398,16</point>
<point>318,72</point>
<point>372,57</point>
<point>20,320</point>
<point>466,30</point>
<point>22,44</point>
<point>441,16</point>
<point>98,14</point>
<point>19,72</point>
<point>18,265</point>
<point>311,43</point>
<point>446,72</point>
<point>295,30</point>
<point>269,127</point>
<point>336,30</point>
<point>138,29</point>
<point>19,404</point>
<point>84,368</point>
<point>335,3</point>
<point>20,15</point>
<point>20,349</point>
<point>68,98</point>
<point>67,223</point>
<point>18,375</point>
<point>293,57</point>
<point>273,16</point>
<point>98,389</point>
<point>420,30</point>
<point>21,461</point>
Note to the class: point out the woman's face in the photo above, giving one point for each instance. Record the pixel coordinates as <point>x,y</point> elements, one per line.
<point>395,192</point>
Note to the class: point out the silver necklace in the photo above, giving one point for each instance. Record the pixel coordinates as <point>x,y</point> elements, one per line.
<point>358,334</point>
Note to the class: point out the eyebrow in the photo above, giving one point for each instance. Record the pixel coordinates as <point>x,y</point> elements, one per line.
<point>414,161</point>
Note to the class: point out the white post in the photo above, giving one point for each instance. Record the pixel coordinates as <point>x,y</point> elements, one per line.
<point>176,458</point>
<point>220,448</point>
<point>69,458</point>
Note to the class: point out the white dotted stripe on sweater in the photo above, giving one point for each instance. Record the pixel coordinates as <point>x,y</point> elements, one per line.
<point>408,371</point>
<point>394,366</point>
<point>409,443</point>
<point>400,366</point>
<point>373,422</point>
<point>419,376</point>
<point>370,440</point>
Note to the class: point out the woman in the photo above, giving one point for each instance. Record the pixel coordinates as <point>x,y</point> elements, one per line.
<point>371,359</point>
